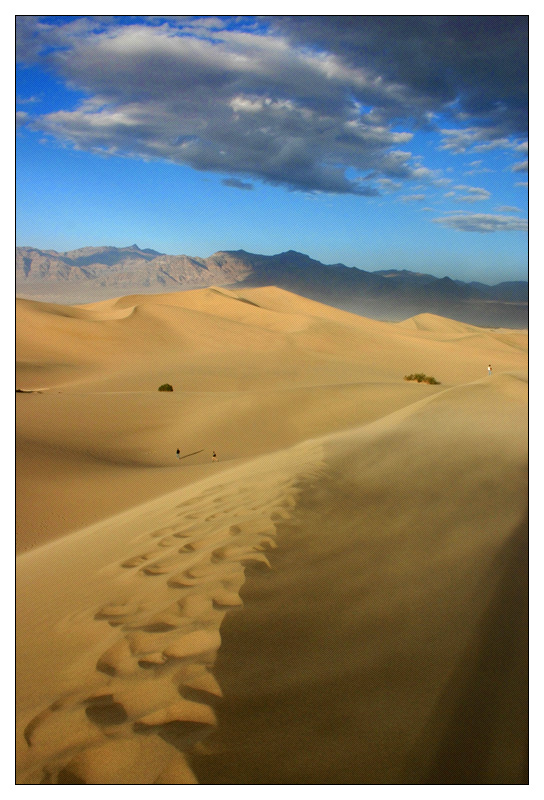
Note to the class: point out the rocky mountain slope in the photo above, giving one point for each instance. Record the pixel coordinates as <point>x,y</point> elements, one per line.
<point>96,273</point>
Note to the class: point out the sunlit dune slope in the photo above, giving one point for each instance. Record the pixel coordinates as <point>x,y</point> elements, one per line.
<point>142,333</point>
<point>350,610</point>
<point>253,371</point>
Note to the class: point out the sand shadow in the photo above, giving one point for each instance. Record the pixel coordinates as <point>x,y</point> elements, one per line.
<point>478,733</point>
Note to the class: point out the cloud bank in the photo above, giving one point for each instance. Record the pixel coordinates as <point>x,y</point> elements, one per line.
<point>315,104</point>
<point>478,64</point>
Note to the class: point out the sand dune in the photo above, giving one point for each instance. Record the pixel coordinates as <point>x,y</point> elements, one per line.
<point>339,599</point>
<point>252,373</point>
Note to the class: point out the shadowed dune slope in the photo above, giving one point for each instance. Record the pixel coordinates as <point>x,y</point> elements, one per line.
<point>348,610</point>
<point>339,599</point>
<point>389,644</point>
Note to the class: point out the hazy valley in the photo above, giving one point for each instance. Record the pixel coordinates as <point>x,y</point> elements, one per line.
<point>97,273</point>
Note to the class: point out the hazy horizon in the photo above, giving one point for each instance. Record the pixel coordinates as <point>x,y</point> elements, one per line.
<point>209,255</point>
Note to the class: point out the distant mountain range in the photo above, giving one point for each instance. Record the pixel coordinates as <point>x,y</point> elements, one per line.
<point>97,273</point>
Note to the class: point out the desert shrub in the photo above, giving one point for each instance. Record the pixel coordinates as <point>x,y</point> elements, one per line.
<point>420,377</point>
<point>166,387</point>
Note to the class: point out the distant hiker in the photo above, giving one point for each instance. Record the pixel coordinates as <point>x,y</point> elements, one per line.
<point>177,453</point>
<point>489,370</point>
<point>214,455</point>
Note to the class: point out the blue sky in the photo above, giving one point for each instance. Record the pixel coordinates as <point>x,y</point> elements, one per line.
<point>374,141</point>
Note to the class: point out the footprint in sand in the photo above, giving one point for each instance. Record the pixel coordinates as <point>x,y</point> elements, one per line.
<point>168,529</point>
<point>136,561</point>
<point>195,605</point>
<point>157,675</point>
<point>223,598</point>
<point>208,542</point>
<point>118,613</point>
<point>260,526</point>
<point>164,566</point>
<point>182,581</point>
<point>168,541</point>
<point>186,532</point>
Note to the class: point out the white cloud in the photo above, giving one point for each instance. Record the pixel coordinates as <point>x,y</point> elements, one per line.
<point>475,194</point>
<point>21,118</point>
<point>239,102</point>
<point>506,144</point>
<point>388,185</point>
<point>33,99</point>
<point>254,100</point>
<point>475,140</point>
<point>482,223</point>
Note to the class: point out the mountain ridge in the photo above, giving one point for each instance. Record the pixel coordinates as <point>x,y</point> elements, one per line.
<point>90,273</point>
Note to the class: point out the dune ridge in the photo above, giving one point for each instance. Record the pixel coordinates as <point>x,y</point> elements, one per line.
<point>146,670</point>
<point>90,419</point>
<point>338,599</point>
<point>138,662</point>
<point>409,619</point>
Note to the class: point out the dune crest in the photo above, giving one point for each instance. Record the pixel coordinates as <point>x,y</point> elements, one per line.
<point>160,581</point>
<point>145,672</point>
<point>316,604</point>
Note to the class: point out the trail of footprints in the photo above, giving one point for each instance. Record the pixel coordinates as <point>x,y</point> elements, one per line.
<point>153,691</point>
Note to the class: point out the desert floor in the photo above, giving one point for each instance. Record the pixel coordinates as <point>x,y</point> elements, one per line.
<point>340,598</point>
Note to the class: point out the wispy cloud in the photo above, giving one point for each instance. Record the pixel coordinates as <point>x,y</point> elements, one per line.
<point>479,171</point>
<point>482,223</point>
<point>468,194</point>
<point>21,118</point>
<point>475,194</point>
<point>33,99</point>
<point>388,185</point>
<point>475,140</point>
<point>236,184</point>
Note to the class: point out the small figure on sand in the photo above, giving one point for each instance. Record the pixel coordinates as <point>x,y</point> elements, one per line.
<point>177,453</point>
<point>489,370</point>
<point>214,455</point>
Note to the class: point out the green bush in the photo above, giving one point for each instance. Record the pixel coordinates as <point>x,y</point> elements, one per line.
<point>166,387</point>
<point>420,377</point>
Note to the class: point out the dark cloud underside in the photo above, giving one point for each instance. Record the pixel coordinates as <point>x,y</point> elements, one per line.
<point>324,104</point>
